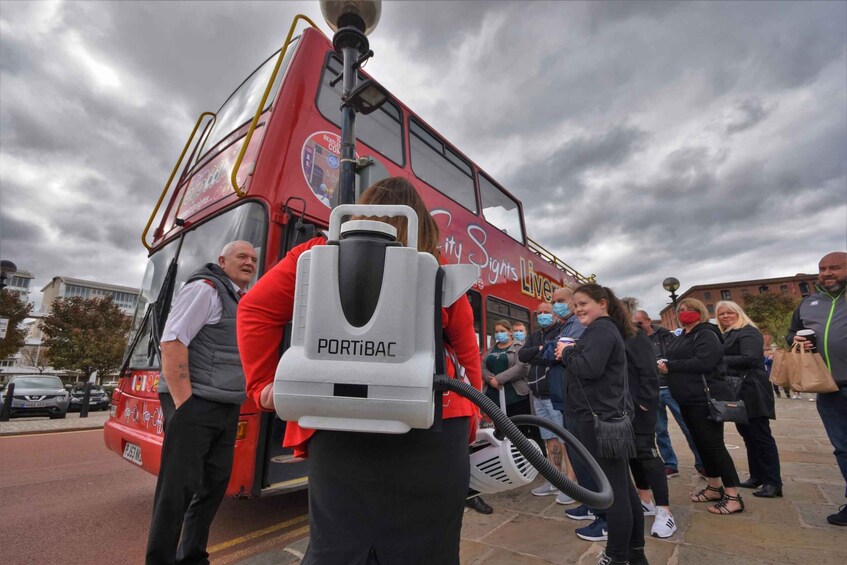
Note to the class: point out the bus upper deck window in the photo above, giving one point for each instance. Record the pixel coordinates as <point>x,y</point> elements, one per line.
<point>381,129</point>
<point>439,166</point>
<point>500,210</point>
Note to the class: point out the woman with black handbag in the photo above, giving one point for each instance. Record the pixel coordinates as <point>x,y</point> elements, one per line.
<point>744,359</point>
<point>694,379</point>
<point>599,412</point>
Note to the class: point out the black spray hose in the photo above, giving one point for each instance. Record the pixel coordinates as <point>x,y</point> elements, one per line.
<point>599,500</point>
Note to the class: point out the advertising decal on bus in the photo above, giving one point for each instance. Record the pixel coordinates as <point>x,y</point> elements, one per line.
<point>321,162</point>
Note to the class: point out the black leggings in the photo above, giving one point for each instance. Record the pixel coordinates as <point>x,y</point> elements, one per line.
<point>762,454</point>
<point>708,438</point>
<point>648,469</point>
<point>625,518</point>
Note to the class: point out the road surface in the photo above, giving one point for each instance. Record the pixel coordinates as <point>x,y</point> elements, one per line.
<point>64,498</point>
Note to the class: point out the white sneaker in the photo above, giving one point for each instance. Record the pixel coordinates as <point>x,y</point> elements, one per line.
<point>564,499</point>
<point>545,490</point>
<point>664,525</point>
<point>649,508</point>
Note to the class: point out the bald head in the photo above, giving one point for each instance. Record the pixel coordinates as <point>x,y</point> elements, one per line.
<point>832,271</point>
<point>642,320</point>
<point>563,294</point>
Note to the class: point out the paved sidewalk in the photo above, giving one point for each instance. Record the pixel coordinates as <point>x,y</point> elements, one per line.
<point>528,530</point>
<point>71,422</point>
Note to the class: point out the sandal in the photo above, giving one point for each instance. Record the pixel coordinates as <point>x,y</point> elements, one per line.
<point>702,496</point>
<point>720,507</point>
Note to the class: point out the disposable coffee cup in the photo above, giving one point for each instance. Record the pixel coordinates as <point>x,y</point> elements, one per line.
<point>810,336</point>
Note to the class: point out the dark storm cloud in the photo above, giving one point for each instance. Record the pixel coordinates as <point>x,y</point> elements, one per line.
<point>558,177</point>
<point>15,230</point>
<point>748,113</point>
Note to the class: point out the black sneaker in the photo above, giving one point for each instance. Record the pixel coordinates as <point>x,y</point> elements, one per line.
<point>478,504</point>
<point>839,518</point>
<point>637,556</point>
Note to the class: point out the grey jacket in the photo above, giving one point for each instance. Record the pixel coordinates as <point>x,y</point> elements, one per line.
<point>827,316</point>
<point>515,374</point>
<point>213,361</point>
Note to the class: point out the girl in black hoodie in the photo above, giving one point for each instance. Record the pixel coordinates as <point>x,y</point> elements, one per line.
<point>595,371</point>
<point>695,355</point>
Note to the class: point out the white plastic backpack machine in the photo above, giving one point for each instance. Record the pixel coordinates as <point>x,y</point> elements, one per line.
<point>355,365</point>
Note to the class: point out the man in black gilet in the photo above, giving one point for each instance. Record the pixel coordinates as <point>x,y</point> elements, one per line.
<point>201,390</point>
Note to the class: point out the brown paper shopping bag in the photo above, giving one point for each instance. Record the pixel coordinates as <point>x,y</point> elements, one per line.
<point>812,374</point>
<point>784,365</point>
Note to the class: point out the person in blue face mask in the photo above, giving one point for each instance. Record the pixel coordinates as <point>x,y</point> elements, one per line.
<point>519,333</point>
<point>504,380</point>
<point>539,353</point>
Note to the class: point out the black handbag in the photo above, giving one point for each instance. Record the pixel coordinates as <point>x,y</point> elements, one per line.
<point>724,410</point>
<point>615,436</point>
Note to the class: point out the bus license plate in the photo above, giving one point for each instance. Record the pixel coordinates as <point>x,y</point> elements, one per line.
<point>132,453</point>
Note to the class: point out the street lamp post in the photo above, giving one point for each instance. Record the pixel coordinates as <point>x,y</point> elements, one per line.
<point>352,21</point>
<point>671,284</point>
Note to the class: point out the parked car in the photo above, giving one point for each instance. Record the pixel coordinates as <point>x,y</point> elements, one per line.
<point>37,395</point>
<point>97,400</point>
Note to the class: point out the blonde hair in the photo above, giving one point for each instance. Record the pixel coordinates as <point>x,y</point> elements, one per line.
<point>696,305</point>
<point>397,190</point>
<point>743,318</point>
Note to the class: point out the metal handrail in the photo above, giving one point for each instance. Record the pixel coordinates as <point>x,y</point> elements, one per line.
<point>170,180</point>
<point>233,176</point>
<point>536,248</point>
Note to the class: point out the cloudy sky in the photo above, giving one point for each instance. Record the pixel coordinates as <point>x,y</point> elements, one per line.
<point>707,141</point>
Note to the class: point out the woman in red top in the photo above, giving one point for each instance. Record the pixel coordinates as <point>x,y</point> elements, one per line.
<point>373,498</point>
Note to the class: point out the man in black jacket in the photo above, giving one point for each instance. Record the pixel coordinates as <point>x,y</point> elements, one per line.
<point>647,467</point>
<point>539,353</point>
<point>661,339</point>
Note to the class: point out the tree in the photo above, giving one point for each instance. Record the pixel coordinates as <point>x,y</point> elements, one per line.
<point>85,335</point>
<point>16,310</point>
<point>35,357</point>
<point>772,313</point>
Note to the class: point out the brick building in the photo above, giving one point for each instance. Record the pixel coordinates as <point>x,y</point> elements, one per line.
<point>797,287</point>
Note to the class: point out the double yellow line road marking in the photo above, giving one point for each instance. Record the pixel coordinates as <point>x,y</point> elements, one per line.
<point>299,525</point>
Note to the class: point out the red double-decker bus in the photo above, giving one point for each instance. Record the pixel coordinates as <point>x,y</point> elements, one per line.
<point>264,169</point>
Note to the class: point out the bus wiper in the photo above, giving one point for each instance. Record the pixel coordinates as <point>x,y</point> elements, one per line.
<point>161,308</point>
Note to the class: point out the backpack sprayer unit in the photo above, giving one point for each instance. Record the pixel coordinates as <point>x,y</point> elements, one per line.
<point>356,364</point>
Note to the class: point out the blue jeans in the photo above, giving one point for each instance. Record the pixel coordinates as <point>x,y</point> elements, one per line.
<point>832,407</point>
<point>663,439</point>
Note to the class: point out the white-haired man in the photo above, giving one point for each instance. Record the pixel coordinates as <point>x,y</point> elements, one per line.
<point>201,390</point>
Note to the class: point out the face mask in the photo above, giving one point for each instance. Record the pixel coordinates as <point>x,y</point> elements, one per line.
<point>519,336</point>
<point>561,309</point>
<point>687,318</point>
<point>545,320</point>
<point>501,337</point>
